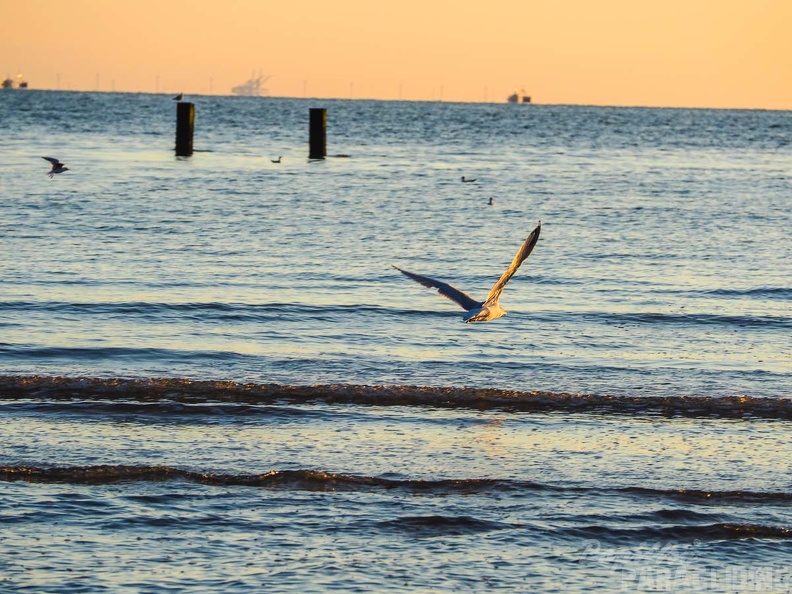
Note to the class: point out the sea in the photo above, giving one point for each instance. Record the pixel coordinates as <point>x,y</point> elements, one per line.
<point>212,379</point>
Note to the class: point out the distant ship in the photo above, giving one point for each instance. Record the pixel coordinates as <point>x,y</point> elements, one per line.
<point>520,97</point>
<point>252,87</point>
<point>20,83</point>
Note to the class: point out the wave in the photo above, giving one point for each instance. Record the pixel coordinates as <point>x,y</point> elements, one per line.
<point>663,525</point>
<point>108,353</point>
<point>763,292</point>
<point>165,409</point>
<point>237,312</point>
<point>428,526</point>
<point>683,532</point>
<point>319,480</point>
<point>738,497</point>
<point>211,393</point>
<point>744,321</point>
<point>711,523</point>
<point>443,525</point>
<point>304,480</point>
<point>262,312</point>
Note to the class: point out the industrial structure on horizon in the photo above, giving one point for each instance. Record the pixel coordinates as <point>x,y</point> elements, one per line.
<point>252,87</point>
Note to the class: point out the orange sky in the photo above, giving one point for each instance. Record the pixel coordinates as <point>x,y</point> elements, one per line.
<point>681,53</point>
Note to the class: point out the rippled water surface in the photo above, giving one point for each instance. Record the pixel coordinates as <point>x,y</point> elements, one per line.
<point>623,428</point>
<point>663,266</point>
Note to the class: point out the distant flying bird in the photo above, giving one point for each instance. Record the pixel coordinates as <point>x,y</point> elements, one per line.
<point>491,202</point>
<point>278,160</point>
<point>467,180</point>
<point>179,97</point>
<point>489,309</point>
<point>57,166</point>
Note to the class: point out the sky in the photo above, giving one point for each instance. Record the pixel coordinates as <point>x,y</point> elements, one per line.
<point>671,53</point>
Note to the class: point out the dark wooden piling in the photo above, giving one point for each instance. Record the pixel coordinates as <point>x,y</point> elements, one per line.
<point>318,133</point>
<point>185,123</point>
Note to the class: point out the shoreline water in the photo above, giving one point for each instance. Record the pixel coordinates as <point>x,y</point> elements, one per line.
<point>211,378</point>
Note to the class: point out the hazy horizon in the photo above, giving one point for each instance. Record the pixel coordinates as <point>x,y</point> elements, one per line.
<point>396,99</point>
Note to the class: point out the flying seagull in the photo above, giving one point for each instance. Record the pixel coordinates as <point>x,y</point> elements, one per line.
<point>490,308</point>
<point>57,166</point>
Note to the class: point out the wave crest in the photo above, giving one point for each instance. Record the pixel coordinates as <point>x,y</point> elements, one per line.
<point>213,392</point>
<point>320,480</point>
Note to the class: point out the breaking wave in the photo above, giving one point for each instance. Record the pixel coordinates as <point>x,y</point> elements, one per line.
<point>167,391</point>
<point>319,480</point>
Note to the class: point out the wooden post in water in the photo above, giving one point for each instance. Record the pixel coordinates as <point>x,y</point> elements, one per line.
<point>318,133</point>
<point>185,122</point>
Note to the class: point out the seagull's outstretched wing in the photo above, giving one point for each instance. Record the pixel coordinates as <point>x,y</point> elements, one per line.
<point>466,301</point>
<point>522,254</point>
<point>52,160</point>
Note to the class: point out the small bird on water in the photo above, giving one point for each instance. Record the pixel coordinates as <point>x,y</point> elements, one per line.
<point>490,308</point>
<point>491,202</point>
<point>464,179</point>
<point>57,166</point>
<point>179,97</point>
<point>278,160</point>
